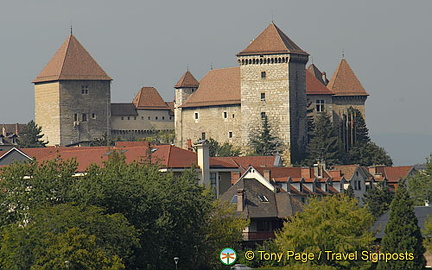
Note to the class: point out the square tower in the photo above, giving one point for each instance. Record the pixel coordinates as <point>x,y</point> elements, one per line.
<point>72,97</point>
<point>273,85</point>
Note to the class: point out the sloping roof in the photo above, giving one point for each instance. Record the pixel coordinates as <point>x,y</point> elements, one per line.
<point>218,87</point>
<point>12,128</point>
<point>421,212</point>
<point>170,105</point>
<point>346,170</point>
<point>167,156</point>
<point>72,62</point>
<point>148,98</point>
<point>282,172</point>
<point>345,83</point>
<point>394,174</point>
<point>123,109</point>
<point>278,206</point>
<point>272,41</point>
<point>254,161</point>
<point>314,86</point>
<point>317,73</point>
<point>187,81</point>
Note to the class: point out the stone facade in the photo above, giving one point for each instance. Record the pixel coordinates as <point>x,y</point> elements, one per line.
<point>73,111</point>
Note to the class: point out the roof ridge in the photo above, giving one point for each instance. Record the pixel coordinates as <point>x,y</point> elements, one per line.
<point>66,52</point>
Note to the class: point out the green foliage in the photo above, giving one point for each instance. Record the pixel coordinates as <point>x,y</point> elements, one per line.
<point>222,150</point>
<point>31,136</point>
<point>334,223</point>
<point>402,234</point>
<point>105,140</point>
<point>368,154</point>
<point>324,144</point>
<point>85,236</point>
<point>161,137</point>
<point>264,143</point>
<point>420,185</point>
<point>378,199</point>
<point>349,192</point>
<point>353,129</point>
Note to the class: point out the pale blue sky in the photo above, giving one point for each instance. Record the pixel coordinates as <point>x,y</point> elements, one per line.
<point>151,43</point>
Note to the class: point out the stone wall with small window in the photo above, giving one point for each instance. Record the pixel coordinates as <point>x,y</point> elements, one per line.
<point>221,123</point>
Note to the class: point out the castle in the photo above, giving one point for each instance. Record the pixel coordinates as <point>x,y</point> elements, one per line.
<point>270,82</point>
<point>73,100</point>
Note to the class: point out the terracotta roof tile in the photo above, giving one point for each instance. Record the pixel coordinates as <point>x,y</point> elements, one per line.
<point>393,174</point>
<point>187,81</point>
<point>218,87</point>
<point>72,62</point>
<point>281,172</point>
<point>345,83</point>
<point>246,161</point>
<point>346,170</point>
<point>148,98</point>
<point>120,109</point>
<point>272,41</point>
<point>314,86</point>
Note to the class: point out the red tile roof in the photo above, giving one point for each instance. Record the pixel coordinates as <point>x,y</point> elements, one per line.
<point>317,73</point>
<point>167,156</point>
<point>393,174</point>
<point>72,62</point>
<point>282,172</point>
<point>218,87</point>
<point>272,41</point>
<point>187,81</point>
<point>246,161</point>
<point>314,86</point>
<point>345,83</point>
<point>346,170</point>
<point>148,98</point>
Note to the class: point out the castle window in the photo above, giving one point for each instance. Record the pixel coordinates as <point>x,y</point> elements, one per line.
<point>196,116</point>
<point>170,117</point>
<point>230,134</point>
<point>203,136</point>
<point>263,75</point>
<point>233,115</point>
<point>156,118</point>
<point>128,117</point>
<point>142,117</point>
<point>319,105</point>
<point>263,97</point>
<point>134,117</point>
<point>122,118</point>
<point>263,115</point>
<point>225,115</point>
<point>84,117</point>
<point>84,90</point>
<point>149,118</point>
<point>75,117</point>
<point>93,116</point>
<point>163,117</point>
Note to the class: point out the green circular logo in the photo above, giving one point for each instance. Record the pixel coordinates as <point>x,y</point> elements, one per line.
<point>228,256</point>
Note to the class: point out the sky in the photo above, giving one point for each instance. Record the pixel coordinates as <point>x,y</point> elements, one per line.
<point>152,43</point>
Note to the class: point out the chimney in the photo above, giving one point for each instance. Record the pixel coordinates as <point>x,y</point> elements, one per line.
<point>240,200</point>
<point>189,144</point>
<point>203,155</point>
<point>4,131</point>
<point>16,129</point>
<point>267,175</point>
<point>324,78</point>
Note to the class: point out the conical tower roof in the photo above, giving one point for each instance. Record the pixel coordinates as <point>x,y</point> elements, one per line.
<point>272,41</point>
<point>187,81</point>
<point>345,83</point>
<point>72,62</point>
<point>149,98</point>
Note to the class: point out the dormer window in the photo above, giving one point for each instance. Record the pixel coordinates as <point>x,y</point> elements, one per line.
<point>263,198</point>
<point>263,75</point>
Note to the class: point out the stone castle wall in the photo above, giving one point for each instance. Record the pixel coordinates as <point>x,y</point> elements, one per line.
<point>47,111</point>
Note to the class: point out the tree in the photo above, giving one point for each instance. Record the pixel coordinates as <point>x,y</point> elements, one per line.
<point>378,199</point>
<point>324,144</point>
<point>263,143</point>
<point>333,223</point>
<point>222,150</point>
<point>31,136</point>
<point>402,234</point>
<point>83,235</point>
<point>420,185</point>
<point>105,140</point>
<point>349,192</point>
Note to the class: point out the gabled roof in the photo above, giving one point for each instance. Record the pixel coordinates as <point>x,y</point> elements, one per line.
<point>394,174</point>
<point>72,62</point>
<point>123,109</point>
<point>187,81</point>
<point>148,98</point>
<point>272,41</point>
<point>344,82</point>
<point>218,87</point>
<point>317,73</point>
<point>314,86</point>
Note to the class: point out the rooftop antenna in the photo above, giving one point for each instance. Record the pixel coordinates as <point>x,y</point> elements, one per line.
<point>187,67</point>
<point>312,60</point>
<point>211,66</point>
<point>272,16</point>
<point>71,27</point>
<point>343,53</point>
